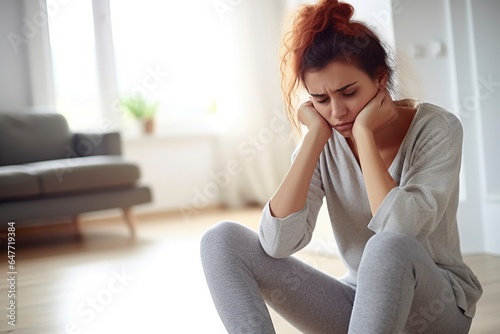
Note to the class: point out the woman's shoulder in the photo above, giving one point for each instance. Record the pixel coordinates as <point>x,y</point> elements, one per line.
<point>435,131</point>
<point>431,118</point>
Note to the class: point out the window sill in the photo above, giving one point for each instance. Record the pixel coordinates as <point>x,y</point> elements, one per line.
<point>171,134</point>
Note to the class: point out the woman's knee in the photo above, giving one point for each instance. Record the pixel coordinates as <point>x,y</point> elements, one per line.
<point>391,243</point>
<point>225,236</point>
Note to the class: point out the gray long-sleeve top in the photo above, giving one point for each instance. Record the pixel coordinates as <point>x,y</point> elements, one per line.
<point>423,205</point>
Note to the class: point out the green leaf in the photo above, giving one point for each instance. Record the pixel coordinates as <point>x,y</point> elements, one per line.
<point>138,106</point>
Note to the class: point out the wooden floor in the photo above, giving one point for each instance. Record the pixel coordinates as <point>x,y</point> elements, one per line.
<point>106,283</point>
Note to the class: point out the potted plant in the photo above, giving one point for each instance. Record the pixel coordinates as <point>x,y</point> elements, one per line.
<point>141,109</point>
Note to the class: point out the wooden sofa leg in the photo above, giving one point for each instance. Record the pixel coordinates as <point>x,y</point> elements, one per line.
<point>76,225</point>
<point>129,219</point>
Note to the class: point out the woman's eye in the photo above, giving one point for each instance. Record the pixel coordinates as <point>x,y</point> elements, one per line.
<point>322,101</point>
<point>349,94</point>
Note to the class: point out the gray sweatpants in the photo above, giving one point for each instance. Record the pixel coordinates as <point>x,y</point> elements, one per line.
<point>399,288</point>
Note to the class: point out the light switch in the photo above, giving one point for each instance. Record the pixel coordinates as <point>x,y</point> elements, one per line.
<point>436,48</point>
<point>417,51</point>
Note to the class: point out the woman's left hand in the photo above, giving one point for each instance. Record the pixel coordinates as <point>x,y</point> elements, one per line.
<point>377,114</point>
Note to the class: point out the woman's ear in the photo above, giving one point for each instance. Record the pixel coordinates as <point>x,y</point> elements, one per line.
<point>382,78</point>
<point>383,82</point>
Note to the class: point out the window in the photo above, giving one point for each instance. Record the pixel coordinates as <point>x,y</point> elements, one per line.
<point>74,64</point>
<point>166,50</point>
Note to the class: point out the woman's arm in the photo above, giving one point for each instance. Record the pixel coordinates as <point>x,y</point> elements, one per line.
<point>288,219</point>
<point>291,195</point>
<point>378,181</point>
<point>428,189</point>
<point>374,116</point>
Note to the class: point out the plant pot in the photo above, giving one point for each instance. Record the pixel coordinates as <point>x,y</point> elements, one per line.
<point>148,126</point>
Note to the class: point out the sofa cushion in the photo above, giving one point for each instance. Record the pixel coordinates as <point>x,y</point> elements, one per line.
<point>17,182</point>
<point>84,174</point>
<point>28,137</point>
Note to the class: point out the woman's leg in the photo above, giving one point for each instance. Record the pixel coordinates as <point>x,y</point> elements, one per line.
<point>241,276</point>
<point>401,290</point>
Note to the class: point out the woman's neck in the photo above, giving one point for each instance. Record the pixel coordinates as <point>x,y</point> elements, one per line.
<point>389,139</point>
<point>394,133</point>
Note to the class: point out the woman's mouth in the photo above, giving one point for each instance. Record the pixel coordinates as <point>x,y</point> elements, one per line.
<point>343,126</point>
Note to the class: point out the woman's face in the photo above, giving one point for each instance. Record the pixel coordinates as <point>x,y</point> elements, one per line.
<point>339,92</point>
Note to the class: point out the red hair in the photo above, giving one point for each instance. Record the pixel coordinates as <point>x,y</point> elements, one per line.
<point>321,33</point>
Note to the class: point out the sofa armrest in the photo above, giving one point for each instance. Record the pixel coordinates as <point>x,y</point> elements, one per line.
<point>95,143</point>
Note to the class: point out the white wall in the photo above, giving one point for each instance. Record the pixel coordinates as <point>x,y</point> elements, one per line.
<point>486,27</point>
<point>378,15</point>
<point>14,79</point>
<point>470,212</point>
<point>487,71</point>
<point>418,24</point>
<point>180,170</point>
<point>455,80</point>
<point>35,19</point>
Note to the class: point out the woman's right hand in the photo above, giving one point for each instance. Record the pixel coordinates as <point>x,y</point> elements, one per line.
<point>291,195</point>
<point>314,122</point>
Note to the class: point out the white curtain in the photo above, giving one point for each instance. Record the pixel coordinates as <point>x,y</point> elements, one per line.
<point>255,143</point>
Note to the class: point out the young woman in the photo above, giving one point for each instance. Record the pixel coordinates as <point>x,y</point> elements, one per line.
<point>389,173</point>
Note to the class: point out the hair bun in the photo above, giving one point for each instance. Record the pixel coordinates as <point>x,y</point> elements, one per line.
<point>342,11</point>
<point>336,14</point>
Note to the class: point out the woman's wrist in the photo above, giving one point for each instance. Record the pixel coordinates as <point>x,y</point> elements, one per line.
<point>291,195</point>
<point>360,133</point>
<point>319,135</point>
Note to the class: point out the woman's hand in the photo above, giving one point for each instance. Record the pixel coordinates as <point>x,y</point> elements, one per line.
<point>376,115</point>
<point>291,195</point>
<point>314,122</point>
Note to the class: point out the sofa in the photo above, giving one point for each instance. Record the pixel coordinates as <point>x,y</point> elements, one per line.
<point>48,172</point>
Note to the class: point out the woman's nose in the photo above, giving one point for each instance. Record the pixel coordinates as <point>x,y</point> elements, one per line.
<point>339,109</point>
